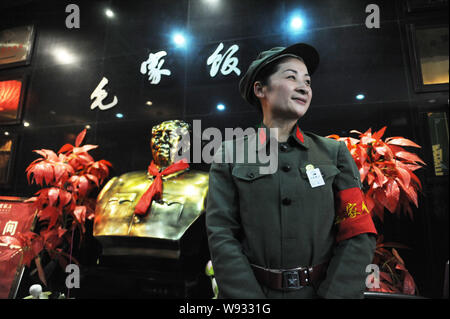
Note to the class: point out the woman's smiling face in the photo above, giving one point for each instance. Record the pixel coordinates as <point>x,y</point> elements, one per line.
<point>288,92</point>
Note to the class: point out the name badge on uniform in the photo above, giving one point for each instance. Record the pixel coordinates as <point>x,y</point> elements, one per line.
<point>314,176</point>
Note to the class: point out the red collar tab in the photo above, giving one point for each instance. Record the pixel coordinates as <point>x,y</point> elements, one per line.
<point>262,135</point>
<point>299,135</point>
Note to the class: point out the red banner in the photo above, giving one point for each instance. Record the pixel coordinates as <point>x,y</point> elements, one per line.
<point>15,217</point>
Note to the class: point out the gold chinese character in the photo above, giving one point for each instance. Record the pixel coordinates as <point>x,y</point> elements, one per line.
<point>10,227</point>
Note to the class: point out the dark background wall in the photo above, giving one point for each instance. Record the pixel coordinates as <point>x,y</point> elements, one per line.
<point>354,59</point>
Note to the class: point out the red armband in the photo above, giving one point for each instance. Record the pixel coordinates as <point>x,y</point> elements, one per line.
<point>352,215</point>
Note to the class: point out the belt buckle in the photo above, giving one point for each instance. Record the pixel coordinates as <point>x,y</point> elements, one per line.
<point>291,279</point>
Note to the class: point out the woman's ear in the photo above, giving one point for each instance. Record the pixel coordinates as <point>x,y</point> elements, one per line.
<point>258,89</point>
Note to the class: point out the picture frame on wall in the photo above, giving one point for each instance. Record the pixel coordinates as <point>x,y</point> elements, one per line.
<point>16,46</point>
<point>8,145</point>
<point>12,96</point>
<point>428,48</point>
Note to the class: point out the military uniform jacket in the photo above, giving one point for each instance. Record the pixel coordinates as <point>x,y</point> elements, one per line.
<point>279,221</point>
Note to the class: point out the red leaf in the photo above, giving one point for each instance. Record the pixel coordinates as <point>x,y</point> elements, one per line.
<point>379,134</point>
<point>87,148</point>
<point>409,287</point>
<point>398,140</point>
<point>83,185</point>
<point>53,195</point>
<point>400,267</point>
<point>80,184</point>
<point>105,162</point>
<point>80,159</point>
<point>47,154</point>
<point>80,214</point>
<point>381,149</point>
<point>409,157</point>
<point>367,139</point>
<point>92,178</point>
<point>404,175</point>
<point>66,148</point>
<point>409,191</point>
<point>385,277</point>
<point>62,172</point>
<point>397,256</point>
<point>416,179</point>
<point>370,178</point>
<point>80,137</point>
<point>357,132</point>
<point>61,231</point>
<point>381,179</point>
<point>363,171</point>
<point>412,167</point>
<point>42,171</point>
<point>381,196</point>
<point>392,195</point>
<point>51,213</point>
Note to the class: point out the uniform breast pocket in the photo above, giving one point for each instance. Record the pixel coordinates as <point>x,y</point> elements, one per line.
<point>251,183</point>
<point>247,173</point>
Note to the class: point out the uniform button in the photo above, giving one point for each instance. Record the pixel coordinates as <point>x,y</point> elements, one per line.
<point>286,201</point>
<point>283,147</point>
<point>286,168</point>
<point>251,175</point>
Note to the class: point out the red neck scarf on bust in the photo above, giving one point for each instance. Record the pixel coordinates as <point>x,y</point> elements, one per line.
<point>156,188</point>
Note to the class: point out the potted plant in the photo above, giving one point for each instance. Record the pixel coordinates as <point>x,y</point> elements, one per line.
<point>63,204</point>
<point>389,183</point>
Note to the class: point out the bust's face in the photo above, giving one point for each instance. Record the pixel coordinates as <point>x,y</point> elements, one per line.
<point>166,141</point>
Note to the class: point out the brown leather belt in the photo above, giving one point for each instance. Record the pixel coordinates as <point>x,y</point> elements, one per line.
<point>290,279</point>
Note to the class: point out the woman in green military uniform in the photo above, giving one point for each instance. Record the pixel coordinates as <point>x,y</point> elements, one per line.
<point>303,231</point>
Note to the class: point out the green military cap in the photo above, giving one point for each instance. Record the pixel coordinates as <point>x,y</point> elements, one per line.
<point>306,52</point>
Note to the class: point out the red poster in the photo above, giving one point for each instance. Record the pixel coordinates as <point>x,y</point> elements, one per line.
<point>15,217</point>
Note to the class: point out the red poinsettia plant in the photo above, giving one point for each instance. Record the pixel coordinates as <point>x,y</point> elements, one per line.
<point>63,204</point>
<point>386,171</point>
<point>394,277</point>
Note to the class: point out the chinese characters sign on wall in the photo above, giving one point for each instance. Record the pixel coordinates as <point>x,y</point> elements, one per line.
<point>219,61</point>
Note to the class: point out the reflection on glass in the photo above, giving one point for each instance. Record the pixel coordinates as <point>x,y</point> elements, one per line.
<point>433,52</point>
<point>9,99</point>
<point>5,154</point>
<point>63,56</point>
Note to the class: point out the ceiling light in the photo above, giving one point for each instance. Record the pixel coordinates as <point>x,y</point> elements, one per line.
<point>296,23</point>
<point>109,13</point>
<point>179,39</point>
